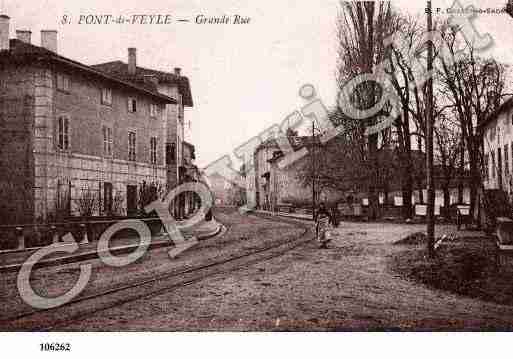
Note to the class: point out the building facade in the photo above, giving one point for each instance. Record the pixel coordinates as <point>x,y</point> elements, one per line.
<point>277,186</point>
<point>68,129</point>
<point>497,136</point>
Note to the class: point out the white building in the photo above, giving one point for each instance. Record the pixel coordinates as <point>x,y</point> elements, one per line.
<point>497,134</point>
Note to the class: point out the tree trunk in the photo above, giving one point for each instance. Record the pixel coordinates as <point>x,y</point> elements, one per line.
<point>447,200</point>
<point>475,182</point>
<point>421,194</point>
<point>373,178</point>
<point>407,189</point>
<point>461,171</point>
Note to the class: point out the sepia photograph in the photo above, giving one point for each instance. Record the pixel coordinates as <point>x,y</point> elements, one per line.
<point>318,172</point>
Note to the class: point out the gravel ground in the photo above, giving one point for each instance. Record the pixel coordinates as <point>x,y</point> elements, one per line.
<point>348,286</point>
<point>345,287</point>
<point>53,281</point>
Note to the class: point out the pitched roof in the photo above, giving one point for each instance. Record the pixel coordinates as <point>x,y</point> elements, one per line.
<point>20,51</point>
<point>504,107</point>
<point>119,69</point>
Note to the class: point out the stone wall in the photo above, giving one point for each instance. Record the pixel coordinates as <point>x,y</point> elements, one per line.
<point>16,143</point>
<point>85,166</point>
<point>16,160</point>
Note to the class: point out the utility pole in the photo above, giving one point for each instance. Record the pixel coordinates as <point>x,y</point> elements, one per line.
<point>313,170</point>
<point>429,139</point>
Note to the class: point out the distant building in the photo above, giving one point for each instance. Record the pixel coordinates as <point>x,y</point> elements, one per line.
<point>277,186</point>
<point>219,187</point>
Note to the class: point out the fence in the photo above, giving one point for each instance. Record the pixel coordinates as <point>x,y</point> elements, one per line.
<point>19,237</point>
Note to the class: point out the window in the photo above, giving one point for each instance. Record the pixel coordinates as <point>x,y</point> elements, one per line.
<point>107,141</point>
<point>153,110</point>
<point>153,150</point>
<point>63,133</point>
<point>63,82</point>
<point>132,105</point>
<point>131,146</point>
<point>107,96</point>
<point>107,197</point>
<point>170,153</point>
<point>131,200</point>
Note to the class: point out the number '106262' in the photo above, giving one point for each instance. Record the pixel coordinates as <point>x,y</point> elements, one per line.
<point>55,347</point>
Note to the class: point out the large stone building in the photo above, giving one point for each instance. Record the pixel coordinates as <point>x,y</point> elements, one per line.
<point>173,85</point>
<point>67,128</point>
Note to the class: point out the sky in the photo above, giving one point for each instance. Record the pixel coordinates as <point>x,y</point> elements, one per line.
<point>244,78</point>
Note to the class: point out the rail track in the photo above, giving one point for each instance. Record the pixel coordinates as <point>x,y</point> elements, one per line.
<point>85,306</point>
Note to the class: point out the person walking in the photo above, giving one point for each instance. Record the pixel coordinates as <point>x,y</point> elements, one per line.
<point>322,222</point>
<point>335,216</point>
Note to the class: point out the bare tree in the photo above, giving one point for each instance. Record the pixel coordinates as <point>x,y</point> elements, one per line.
<point>474,88</point>
<point>363,27</point>
<point>448,147</point>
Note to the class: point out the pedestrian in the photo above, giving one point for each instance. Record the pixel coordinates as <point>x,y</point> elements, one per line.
<point>335,216</point>
<point>322,221</point>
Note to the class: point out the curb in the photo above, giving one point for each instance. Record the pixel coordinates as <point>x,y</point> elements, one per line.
<point>94,254</point>
<point>270,214</point>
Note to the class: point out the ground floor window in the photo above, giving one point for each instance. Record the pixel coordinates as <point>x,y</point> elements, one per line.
<point>131,200</point>
<point>107,198</point>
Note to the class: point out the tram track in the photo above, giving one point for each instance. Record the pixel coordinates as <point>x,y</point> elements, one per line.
<point>86,306</point>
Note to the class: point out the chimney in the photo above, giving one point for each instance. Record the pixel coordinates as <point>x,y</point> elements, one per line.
<point>132,60</point>
<point>178,71</point>
<point>49,40</point>
<point>24,35</point>
<point>4,32</point>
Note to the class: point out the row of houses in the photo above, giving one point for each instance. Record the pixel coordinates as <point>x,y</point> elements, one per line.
<point>67,128</point>
<point>268,186</point>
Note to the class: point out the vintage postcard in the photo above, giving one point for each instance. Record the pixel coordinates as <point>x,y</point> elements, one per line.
<point>237,166</point>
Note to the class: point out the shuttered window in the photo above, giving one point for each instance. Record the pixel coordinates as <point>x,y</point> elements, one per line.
<point>63,133</point>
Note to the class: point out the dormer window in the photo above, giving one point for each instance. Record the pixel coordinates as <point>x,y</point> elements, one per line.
<point>107,96</point>
<point>132,105</point>
<point>63,82</point>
